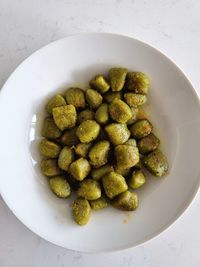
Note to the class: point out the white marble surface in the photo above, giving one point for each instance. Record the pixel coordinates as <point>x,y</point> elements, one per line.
<point>172,26</point>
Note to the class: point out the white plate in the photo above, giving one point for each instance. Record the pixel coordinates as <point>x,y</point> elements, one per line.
<point>174,110</point>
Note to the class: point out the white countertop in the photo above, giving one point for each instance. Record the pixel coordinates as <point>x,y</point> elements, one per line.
<point>172,26</point>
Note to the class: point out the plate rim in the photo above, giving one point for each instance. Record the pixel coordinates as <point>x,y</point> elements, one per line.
<point>195,191</point>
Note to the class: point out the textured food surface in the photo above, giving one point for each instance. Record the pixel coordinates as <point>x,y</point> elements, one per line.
<point>98,141</point>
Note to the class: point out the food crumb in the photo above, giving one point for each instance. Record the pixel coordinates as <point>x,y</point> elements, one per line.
<point>128,217</point>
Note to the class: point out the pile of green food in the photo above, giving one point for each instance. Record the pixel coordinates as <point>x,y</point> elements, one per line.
<point>96,142</point>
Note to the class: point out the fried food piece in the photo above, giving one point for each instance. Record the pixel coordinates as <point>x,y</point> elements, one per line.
<point>99,204</point>
<point>126,201</point>
<point>118,133</point>
<point>49,149</point>
<point>60,186</point>
<point>156,163</point>
<point>98,154</point>
<point>50,130</point>
<point>75,97</point>
<point>66,157</point>
<point>81,211</point>
<point>138,82</point>
<point>69,138</point>
<point>89,189</point>
<point>110,96</point>
<point>56,101</point>
<point>82,149</point>
<point>49,167</point>
<point>88,131</point>
<point>65,117</point>
<point>85,115</point>
<point>100,84</point>
<point>135,100</point>
<point>102,114</point>
<point>137,179</point>
<point>114,184</point>
<point>120,111</point>
<point>141,128</point>
<point>94,99</point>
<point>117,77</point>
<point>97,174</point>
<point>148,144</point>
<point>126,156</point>
<point>79,169</point>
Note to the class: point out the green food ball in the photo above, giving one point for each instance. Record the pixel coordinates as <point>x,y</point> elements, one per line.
<point>117,77</point>
<point>137,179</point>
<point>120,111</point>
<point>66,157</point>
<point>100,84</point>
<point>156,163</point>
<point>110,96</point>
<point>81,211</point>
<point>98,154</point>
<point>137,82</point>
<point>65,117</point>
<point>126,156</point>
<point>148,144</point>
<point>99,204</point>
<point>89,189</point>
<point>94,99</point>
<point>49,167</point>
<point>114,184</point>
<point>134,100</point>
<point>141,128</point>
<point>88,131</point>
<point>49,149</point>
<point>97,174</point>
<point>85,115</point>
<point>69,138</point>
<point>75,97</point>
<point>49,129</point>
<point>82,149</point>
<point>56,101</point>
<point>126,201</point>
<point>60,186</point>
<point>102,114</point>
<point>79,169</point>
<point>118,133</point>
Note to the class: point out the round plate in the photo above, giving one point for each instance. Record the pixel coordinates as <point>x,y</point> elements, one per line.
<point>173,109</point>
